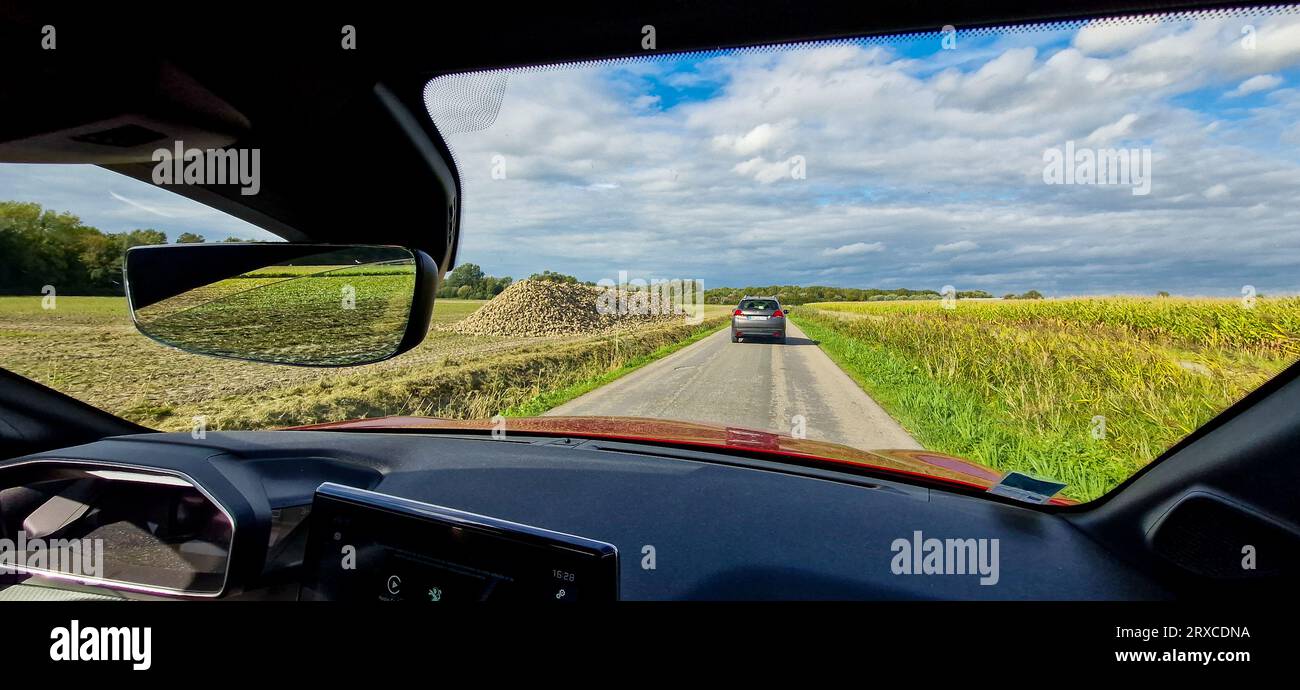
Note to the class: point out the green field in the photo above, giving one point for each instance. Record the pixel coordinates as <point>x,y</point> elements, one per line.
<point>86,347</point>
<point>1084,391</point>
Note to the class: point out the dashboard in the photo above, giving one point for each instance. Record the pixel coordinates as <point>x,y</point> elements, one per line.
<point>428,517</point>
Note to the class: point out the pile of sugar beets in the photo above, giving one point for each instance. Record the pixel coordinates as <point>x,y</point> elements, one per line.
<point>552,308</point>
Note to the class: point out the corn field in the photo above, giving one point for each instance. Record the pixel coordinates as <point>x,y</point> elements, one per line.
<point>1267,326</point>
<point>1085,391</point>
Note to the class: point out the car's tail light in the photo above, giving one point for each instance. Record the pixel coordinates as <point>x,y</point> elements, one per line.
<point>736,313</point>
<point>777,314</point>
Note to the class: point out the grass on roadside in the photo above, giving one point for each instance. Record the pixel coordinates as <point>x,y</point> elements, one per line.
<point>1014,387</point>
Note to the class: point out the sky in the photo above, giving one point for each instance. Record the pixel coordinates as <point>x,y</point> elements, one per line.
<point>922,166</point>
<point>116,203</point>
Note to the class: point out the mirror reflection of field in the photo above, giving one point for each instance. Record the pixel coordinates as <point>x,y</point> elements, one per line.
<point>1084,391</point>
<point>334,317</point>
<point>271,275</point>
<point>87,348</point>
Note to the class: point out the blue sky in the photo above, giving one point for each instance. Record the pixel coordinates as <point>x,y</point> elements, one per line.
<point>924,166</point>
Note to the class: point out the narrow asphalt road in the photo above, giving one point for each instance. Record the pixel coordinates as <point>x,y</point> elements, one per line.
<point>753,384</point>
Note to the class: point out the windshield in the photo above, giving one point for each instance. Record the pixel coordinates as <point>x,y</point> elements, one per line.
<point>1055,249</point>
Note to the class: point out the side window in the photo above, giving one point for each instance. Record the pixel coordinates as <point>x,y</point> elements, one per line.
<point>64,230</point>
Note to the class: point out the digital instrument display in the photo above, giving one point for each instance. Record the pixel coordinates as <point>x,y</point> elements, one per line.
<point>115,526</point>
<point>368,546</point>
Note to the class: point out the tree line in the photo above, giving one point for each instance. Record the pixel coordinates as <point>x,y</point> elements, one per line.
<point>799,294</point>
<point>468,281</point>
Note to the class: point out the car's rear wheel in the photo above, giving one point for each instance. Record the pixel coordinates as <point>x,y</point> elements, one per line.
<point>734,337</point>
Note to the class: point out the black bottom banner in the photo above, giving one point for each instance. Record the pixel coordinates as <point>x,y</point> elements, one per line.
<point>1024,641</point>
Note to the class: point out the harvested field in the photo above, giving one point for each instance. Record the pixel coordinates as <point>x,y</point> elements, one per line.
<point>87,348</point>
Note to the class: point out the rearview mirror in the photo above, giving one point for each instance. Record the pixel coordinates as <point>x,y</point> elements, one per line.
<point>309,305</point>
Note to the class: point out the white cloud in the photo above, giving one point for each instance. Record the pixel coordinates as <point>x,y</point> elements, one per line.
<point>1261,82</point>
<point>958,246</point>
<point>757,139</point>
<point>763,171</point>
<point>1106,37</point>
<point>855,249</point>
<point>645,101</point>
<point>1107,134</point>
<point>1218,191</point>
<point>147,208</point>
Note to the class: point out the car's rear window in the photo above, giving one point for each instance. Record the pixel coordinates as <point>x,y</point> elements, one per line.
<point>758,304</point>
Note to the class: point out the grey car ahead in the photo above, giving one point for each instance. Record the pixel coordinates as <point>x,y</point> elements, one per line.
<point>758,317</point>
